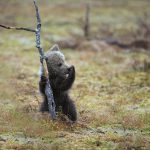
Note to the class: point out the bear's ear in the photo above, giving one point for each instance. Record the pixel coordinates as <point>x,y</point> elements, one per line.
<point>55,48</point>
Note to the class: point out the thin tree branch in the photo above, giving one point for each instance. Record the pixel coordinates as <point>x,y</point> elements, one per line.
<point>87,22</point>
<point>48,89</point>
<point>17,28</point>
<point>38,33</point>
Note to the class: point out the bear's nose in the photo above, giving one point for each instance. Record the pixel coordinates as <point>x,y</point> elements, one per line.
<point>69,69</point>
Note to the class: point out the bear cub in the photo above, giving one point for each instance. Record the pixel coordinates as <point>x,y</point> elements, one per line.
<point>61,77</point>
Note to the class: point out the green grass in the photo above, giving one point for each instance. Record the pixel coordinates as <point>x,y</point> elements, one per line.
<point>111,91</point>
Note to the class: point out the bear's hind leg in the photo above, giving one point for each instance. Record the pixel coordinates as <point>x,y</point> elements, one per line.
<point>42,85</point>
<point>69,110</point>
<point>44,105</point>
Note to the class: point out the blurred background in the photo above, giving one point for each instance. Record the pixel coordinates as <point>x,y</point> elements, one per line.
<point>108,41</point>
<point>123,23</point>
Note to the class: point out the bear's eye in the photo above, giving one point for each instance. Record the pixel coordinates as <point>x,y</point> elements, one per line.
<point>59,64</point>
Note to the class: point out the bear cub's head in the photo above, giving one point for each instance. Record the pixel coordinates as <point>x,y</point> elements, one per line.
<point>56,63</point>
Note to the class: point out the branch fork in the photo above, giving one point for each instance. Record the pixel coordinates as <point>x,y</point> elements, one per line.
<point>37,31</point>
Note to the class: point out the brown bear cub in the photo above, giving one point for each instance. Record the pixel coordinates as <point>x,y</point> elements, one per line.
<point>61,77</point>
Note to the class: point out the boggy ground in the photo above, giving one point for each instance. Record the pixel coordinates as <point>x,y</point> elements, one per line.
<point>111,91</point>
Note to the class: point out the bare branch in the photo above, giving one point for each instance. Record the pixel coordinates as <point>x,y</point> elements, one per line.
<point>87,22</point>
<point>48,89</point>
<point>17,28</point>
<point>38,32</point>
